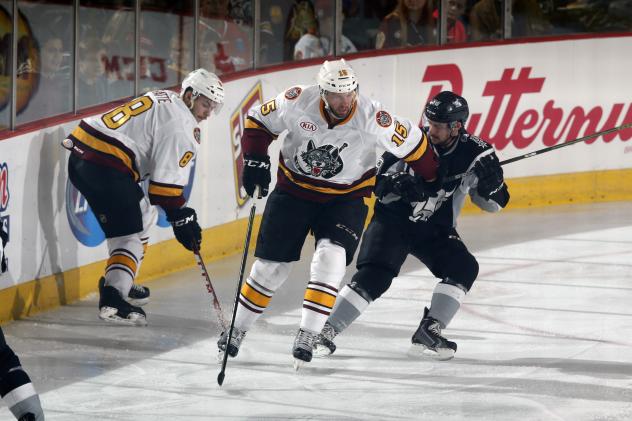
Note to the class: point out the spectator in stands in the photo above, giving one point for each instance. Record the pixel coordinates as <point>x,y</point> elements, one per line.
<point>232,39</point>
<point>486,20</point>
<point>273,32</point>
<point>92,80</point>
<point>53,94</point>
<point>456,28</point>
<point>311,44</point>
<point>411,23</point>
<point>317,43</point>
<point>300,19</point>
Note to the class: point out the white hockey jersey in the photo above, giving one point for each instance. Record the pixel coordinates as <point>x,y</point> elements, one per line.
<point>320,159</point>
<point>153,136</point>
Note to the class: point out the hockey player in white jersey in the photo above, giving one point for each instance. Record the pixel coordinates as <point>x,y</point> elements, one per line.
<point>155,136</point>
<point>408,220</point>
<point>326,168</point>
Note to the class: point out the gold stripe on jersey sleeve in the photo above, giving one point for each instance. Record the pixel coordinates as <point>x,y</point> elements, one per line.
<point>104,147</point>
<point>250,124</point>
<point>421,149</point>
<point>255,296</point>
<point>369,182</point>
<point>320,297</point>
<point>161,190</point>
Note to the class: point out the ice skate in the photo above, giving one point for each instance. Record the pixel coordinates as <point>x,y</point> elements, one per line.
<point>324,345</point>
<point>427,340</point>
<point>138,294</point>
<point>113,309</point>
<point>303,346</point>
<point>235,342</point>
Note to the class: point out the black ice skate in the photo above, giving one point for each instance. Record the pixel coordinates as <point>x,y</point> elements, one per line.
<point>303,346</point>
<point>324,345</point>
<point>235,342</point>
<point>138,294</point>
<point>428,341</point>
<point>112,308</point>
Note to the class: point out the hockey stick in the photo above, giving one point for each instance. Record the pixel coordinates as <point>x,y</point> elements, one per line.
<point>209,285</point>
<point>244,257</point>
<point>548,149</point>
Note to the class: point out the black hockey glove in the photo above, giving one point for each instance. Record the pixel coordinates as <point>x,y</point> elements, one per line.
<point>3,259</point>
<point>402,184</point>
<point>185,226</point>
<point>491,184</point>
<point>256,172</point>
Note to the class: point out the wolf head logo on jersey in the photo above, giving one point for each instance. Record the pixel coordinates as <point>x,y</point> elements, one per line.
<point>323,161</point>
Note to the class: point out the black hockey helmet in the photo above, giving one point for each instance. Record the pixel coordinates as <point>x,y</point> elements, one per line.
<point>447,107</point>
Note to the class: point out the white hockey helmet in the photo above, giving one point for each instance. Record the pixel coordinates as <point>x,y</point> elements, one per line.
<point>203,82</point>
<point>337,76</point>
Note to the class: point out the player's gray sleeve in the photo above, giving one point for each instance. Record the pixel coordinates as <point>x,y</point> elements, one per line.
<point>486,205</point>
<point>470,182</point>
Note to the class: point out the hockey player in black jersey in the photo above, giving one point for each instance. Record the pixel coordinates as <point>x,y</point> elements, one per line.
<point>16,387</point>
<point>419,219</point>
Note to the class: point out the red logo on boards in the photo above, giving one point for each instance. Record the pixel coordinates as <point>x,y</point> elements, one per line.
<point>237,123</point>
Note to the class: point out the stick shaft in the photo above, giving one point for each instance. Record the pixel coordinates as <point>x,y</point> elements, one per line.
<point>548,149</point>
<point>242,267</point>
<point>209,286</point>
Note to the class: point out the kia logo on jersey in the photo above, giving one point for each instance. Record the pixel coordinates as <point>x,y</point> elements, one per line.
<point>309,126</point>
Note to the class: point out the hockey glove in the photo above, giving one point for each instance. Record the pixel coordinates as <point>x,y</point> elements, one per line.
<point>185,227</point>
<point>402,184</point>
<point>491,184</point>
<point>3,259</point>
<point>256,172</point>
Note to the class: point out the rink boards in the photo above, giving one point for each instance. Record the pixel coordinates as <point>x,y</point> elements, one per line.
<point>522,96</point>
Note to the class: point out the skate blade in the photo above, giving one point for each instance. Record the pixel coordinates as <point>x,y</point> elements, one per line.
<point>138,302</point>
<point>440,354</point>
<point>109,314</point>
<point>321,351</point>
<point>298,364</point>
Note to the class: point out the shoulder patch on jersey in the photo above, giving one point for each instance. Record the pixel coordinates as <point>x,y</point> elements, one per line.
<point>383,118</point>
<point>196,134</point>
<point>293,93</point>
<point>479,142</point>
<point>186,158</point>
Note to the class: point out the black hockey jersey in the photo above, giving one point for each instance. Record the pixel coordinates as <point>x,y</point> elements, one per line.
<point>444,208</point>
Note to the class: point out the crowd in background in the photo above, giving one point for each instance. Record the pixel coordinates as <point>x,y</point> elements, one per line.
<point>288,30</point>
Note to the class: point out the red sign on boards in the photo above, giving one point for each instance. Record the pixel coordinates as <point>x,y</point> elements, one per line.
<point>501,124</point>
